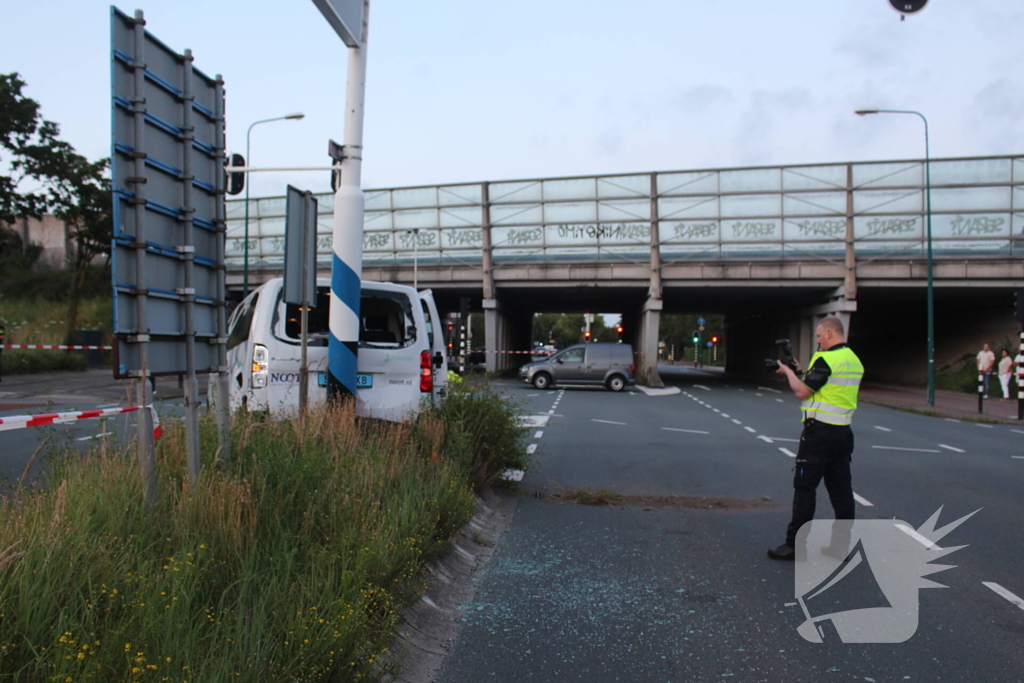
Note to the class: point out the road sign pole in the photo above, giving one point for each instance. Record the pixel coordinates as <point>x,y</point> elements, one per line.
<point>187,294</point>
<point>347,262</point>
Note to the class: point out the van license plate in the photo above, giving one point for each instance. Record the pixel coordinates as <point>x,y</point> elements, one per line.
<point>364,381</point>
<point>321,379</point>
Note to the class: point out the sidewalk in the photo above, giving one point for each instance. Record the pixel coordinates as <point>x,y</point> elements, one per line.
<point>947,403</point>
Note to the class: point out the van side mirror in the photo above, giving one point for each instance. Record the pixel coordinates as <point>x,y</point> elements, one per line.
<point>438,359</point>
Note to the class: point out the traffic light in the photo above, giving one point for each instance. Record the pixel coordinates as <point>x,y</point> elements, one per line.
<point>714,339</point>
<point>618,329</point>
<point>586,336</point>
<point>696,338</point>
<point>236,181</point>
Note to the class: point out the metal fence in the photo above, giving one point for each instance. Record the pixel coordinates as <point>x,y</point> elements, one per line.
<point>766,212</point>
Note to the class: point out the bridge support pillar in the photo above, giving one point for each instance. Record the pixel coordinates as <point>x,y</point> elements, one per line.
<point>648,346</point>
<point>495,336</point>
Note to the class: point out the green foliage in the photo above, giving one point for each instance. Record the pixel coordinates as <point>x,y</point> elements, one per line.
<point>41,321</point>
<point>566,329</point>
<point>290,563</point>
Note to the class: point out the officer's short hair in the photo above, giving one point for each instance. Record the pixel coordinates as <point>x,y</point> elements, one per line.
<point>834,324</point>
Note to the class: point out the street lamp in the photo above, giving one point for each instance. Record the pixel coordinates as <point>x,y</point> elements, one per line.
<point>245,264</point>
<point>931,283</point>
<point>415,232</point>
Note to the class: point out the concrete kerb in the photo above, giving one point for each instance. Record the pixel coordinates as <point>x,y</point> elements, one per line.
<point>429,628</point>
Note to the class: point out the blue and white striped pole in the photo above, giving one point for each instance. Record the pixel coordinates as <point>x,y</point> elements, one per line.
<point>347,262</point>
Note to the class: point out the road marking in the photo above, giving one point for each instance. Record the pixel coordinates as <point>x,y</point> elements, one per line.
<point>949,419</point>
<point>538,435</point>
<point>788,452</point>
<point>1003,593</point>
<point>531,395</point>
<point>667,391</point>
<point>108,405</point>
<point>1017,431</point>
<point>765,439</point>
<point>531,449</point>
<point>533,420</point>
<point>735,421</point>
<point>751,430</point>
<point>701,386</point>
<point>758,394</point>
<point>984,426</point>
<point>608,422</point>
<point>725,415</point>
<point>882,429</point>
<point>863,501</point>
<point>774,391</point>
<point>911,450</point>
<point>913,533</point>
<point>951,448</point>
<point>779,438</point>
<point>779,400</point>
<point>1017,457</point>
<point>715,409</point>
<point>688,431</point>
<point>90,438</point>
<point>557,415</point>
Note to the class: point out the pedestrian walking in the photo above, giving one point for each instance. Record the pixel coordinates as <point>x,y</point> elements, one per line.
<point>1005,372</point>
<point>829,398</point>
<point>986,360</point>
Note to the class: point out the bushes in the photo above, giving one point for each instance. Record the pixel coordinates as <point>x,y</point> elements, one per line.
<point>41,321</point>
<point>291,563</point>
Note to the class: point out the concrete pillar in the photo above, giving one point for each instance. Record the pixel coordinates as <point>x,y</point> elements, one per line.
<point>648,346</point>
<point>494,334</point>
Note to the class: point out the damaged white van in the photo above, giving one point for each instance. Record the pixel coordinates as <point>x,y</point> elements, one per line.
<point>401,359</point>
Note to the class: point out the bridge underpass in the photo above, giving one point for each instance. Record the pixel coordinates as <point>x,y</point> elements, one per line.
<point>773,249</point>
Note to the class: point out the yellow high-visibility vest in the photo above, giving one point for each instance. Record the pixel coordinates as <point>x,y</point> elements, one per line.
<point>836,402</point>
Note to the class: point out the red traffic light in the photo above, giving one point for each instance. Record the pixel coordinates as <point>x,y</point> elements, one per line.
<point>586,335</point>
<point>619,329</point>
<point>714,339</point>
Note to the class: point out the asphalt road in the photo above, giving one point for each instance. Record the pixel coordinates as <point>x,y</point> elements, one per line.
<point>662,590</point>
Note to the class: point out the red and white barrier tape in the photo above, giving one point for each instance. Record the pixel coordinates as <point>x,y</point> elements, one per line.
<point>532,353</point>
<point>20,421</point>
<point>55,346</point>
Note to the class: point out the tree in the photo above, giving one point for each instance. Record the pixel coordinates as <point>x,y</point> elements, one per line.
<point>62,182</point>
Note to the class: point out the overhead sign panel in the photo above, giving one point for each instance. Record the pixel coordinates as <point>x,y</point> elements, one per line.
<point>345,17</point>
<point>167,167</point>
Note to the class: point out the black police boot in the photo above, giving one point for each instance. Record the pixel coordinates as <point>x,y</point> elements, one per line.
<point>783,552</point>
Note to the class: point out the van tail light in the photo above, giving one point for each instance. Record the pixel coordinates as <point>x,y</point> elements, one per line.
<point>426,372</point>
<point>260,366</point>
<point>632,368</point>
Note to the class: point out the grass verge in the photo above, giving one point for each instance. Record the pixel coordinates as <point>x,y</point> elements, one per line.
<point>291,563</point>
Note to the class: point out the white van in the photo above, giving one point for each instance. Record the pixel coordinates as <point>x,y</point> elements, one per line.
<point>401,359</point>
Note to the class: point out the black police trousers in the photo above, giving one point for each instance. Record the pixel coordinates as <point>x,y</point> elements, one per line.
<point>825,452</point>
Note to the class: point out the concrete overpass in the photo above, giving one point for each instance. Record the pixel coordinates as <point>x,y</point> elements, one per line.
<point>771,248</point>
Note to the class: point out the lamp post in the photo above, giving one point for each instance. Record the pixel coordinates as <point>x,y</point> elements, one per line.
<point>415,232</point>
<point>931,282</point>
<point>248,134</point>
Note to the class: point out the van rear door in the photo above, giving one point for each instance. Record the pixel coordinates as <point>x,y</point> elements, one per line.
<point>435,339</point>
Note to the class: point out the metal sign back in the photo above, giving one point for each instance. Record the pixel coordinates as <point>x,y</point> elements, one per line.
<point>300,248</point>
<point>345,17</point>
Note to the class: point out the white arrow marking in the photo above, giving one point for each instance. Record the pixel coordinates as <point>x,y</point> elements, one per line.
<point>788,452</point>
<point>863,501</point>
<point>1002,592</point>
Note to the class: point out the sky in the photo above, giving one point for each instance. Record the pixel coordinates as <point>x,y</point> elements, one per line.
<point>471,90</point>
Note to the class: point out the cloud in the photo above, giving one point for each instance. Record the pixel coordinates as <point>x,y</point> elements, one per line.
<point>609,142</point>
<point>996,109</point>
<point>699,99</point>
<point>756,135</point>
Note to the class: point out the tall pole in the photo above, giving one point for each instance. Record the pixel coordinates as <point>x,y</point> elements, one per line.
<point>349,204</point>
<point>248,161</point>
<point>928,211</point>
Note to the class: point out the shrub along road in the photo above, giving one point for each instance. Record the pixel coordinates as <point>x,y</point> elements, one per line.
<point>659,589</point>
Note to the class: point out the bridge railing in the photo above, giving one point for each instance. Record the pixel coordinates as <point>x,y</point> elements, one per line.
<point>781,212</point>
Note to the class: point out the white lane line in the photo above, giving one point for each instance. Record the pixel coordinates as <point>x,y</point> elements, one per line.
<point>725,415</point>
<point>538,434</point>
<point>765,439</point>
<point>882,429</point>
<point>90,438</point>
<point>751,430</point>
<point>531,395</point>
<point>984,426</point>
<point>950,419</point>
<point>701,386</point>
<point>736,422</point>
<point>912,532</point>
<point>779,438</point>
<point>608,422</point>
<point>774,391</point>
<point>531,449</point>
<point>557,415</point>
<point>715,409</point>
<point>1017,431</point>
<point>788,452</point>
<point>863,501</point>
<point>758,394</point>
<point>911,450</point>
<point>779,400</point>
<point>533,420</point>
<point>1003,593</point>
<point>688,431</point>
<point>951,448</point>
<point>1017,457</point>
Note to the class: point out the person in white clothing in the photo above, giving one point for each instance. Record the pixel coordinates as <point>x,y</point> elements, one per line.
<point>1005,373</point>
<point>986,360</point>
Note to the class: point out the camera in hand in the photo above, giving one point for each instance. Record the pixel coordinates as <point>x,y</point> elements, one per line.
<point>787,357</point>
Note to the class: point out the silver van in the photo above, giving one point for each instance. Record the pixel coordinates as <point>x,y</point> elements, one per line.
<point>597,364</point>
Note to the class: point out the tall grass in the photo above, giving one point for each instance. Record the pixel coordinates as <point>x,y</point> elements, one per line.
<point>41,321</point>
<point>291,563</point>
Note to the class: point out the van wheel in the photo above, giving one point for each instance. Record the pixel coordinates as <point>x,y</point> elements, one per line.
<point>542,380</point>
<point>616,383</point>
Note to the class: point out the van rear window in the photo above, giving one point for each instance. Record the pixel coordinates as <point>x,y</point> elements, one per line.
<point>385,320</point>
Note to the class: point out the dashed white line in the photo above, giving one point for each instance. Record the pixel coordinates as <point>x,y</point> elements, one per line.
<point>531,449</point>
<point>1003,593</point>
<point>863,501</point>
<point>1017,431</point>
<point>882,429</point>
<point>688,431</point>
<point>1017,457</point>
<point>950,419</point>
<point>779,438</point>
<point>779,400</point>
<point>913,533</point>
<point>951,448</point>
<point>751,430</point>
<point>608,422</point>
<point>734,421</point>
<point>788,452</point>
<point>984,426</point>
<point>531,395</point>
<point>538,435</point>
<point>765,439</point>
<point>701,386</point>
<point>911,450</point>
<point>774,391</point>
<point>715,409</point>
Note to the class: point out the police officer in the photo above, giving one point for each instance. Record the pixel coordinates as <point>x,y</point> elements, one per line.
<point>829,395</point>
